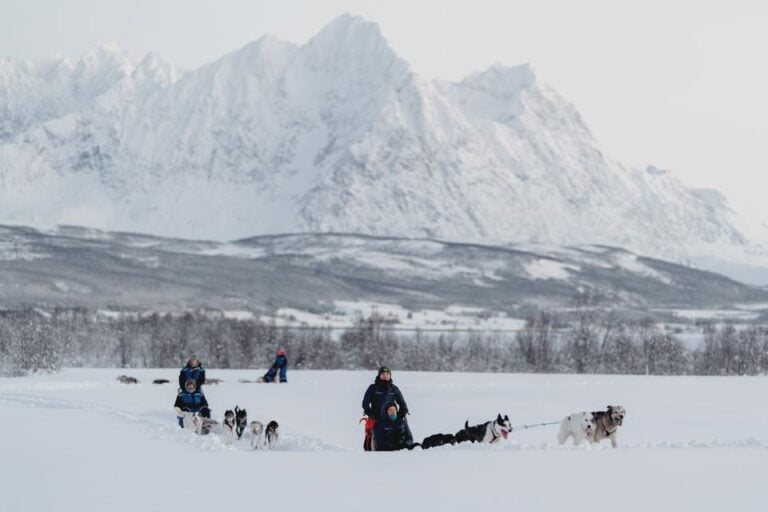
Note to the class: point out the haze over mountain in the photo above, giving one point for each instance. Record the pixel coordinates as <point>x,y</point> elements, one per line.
<point>338,134</point>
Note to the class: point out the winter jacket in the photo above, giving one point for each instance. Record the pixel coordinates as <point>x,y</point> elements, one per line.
<point>380,393</point>
<point>196,373</point>
<point>192,402</point>
<point>391,435</point>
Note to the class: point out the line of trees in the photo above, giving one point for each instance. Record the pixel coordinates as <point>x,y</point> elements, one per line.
<point>34,340</point>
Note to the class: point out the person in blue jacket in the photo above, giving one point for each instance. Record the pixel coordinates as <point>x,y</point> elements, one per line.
<point>192,370</point>
<point>191,399</point>
<point>281,365</point>
<point>391,431</point>
<point>381,392</point>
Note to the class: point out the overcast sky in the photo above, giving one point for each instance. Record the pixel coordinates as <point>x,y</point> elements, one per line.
<point>679,84</point>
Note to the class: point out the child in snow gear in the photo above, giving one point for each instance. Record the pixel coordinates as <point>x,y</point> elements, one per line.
<point>190,399</point>
<point>378,394</point>
<point>391,431</point>
<point>192,370</point>
<point>281,364</point>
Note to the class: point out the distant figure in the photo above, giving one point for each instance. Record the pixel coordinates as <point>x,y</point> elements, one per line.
<point>281,364</point>
<point>192,370</point>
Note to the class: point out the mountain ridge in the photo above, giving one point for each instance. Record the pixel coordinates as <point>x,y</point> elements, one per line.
<point>340,134</point>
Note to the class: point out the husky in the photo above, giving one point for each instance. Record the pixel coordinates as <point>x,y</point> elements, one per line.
<point>198,422</point>
<point>241,418</point>
<point>257,429</point>
<point>192,421</point>
<point>228,425</point>
<point>488,432</point>
<point>579,425</point>
<point>607,423</point>
<point>437,440</point>
<point>271,434</point>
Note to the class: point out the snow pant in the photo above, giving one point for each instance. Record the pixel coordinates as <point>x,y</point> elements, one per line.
<point>368,441</point>
<point>270,375</point>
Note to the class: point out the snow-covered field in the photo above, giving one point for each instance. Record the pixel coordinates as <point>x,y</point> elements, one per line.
<point>80,441</point>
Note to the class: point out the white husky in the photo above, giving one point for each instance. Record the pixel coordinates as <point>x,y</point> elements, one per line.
<point>191,421</point>
<point>257,429</point>
<point>579,425</point>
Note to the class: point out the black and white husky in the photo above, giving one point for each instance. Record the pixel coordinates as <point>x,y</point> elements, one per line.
<point>257,429</point>
<point>488,432</point>
<point>272,434</point>
<point>241,421</point>
<point>228,426</point>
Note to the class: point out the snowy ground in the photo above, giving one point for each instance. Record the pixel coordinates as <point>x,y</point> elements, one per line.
<point>80,441</point>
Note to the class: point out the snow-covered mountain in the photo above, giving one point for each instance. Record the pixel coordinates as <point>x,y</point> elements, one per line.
<point>338,134</point>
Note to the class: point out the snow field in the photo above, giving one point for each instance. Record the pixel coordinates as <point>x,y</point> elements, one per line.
<point>80,441</point>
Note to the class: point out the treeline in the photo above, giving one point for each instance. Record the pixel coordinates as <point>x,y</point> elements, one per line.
<point>590,342</point>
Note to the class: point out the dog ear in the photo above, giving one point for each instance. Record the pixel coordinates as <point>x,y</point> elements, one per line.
<point>506,417</point>
<point>610,409</point>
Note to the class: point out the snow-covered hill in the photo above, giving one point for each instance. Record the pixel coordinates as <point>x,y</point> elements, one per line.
<point>338,134</point>
<point>321,272</point>
<point>79,441</point>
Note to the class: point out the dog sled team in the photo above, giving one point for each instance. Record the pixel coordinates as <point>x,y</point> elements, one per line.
<point>386,424</point>
<point>194,414</point>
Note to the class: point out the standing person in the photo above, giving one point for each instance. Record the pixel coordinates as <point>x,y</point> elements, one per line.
<point>192,370</point>
<point>281,364</point>
<point>383,391</point>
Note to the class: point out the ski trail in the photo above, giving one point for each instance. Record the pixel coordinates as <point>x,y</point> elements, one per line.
<point>162,426</point>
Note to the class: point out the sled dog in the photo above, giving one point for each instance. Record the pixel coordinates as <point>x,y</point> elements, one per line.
<point>228,425</point>
<point>192,421</point>
<point>241,419</point>
<point>488,432</point>
<point>198,422</point>
<point>607,423</point>
<point>437,440</point>
<point>272,434</point>
<point>579,425</point>
<point>257,429</point>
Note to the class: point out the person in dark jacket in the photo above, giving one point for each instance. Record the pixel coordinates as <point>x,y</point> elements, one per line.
<point>281,365</point>
<point>191,399</point>
<point>391,431</point>
<point>192,370</point>
<point>381,392</point>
